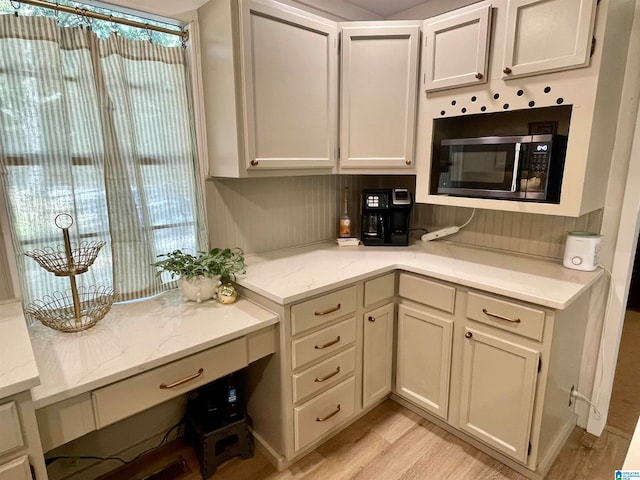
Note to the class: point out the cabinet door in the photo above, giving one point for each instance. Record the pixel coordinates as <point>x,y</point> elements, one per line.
<point>290,98</point>
<point>456,48</point>
<point>547,36</point>
<point>424,359</point>
<point>17,469</point>
<point>378,348</point>
<point>498,387</point>
<point>379,79</point>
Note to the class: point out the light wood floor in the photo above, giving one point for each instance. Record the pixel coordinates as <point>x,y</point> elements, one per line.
<point>393,443</point>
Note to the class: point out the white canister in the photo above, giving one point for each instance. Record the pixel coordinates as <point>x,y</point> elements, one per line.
<point>582,251</point>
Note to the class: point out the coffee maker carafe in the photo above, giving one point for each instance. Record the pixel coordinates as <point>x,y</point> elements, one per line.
<point>385,217</point>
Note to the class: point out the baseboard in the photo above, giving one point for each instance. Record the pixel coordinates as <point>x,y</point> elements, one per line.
<point>277,460</point>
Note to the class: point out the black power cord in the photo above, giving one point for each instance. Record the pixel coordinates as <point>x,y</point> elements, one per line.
<point>164,440</point>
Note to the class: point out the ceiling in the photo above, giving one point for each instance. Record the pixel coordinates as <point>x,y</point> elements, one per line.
<point>385,8</point>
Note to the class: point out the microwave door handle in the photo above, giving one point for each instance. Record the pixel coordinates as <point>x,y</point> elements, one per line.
<point>516,168</point>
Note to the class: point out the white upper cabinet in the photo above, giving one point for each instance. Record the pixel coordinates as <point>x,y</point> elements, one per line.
<point>290,86</point>
<point>547,36</point>
<point>456,48</point>
<point>270,84</point>
<point>379,77</point>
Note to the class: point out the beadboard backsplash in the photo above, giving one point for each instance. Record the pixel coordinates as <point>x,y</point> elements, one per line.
<point>263,214</point>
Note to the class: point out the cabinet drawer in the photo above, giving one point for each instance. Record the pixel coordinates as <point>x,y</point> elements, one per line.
<point>509,316</point>
<point>433,294</point>
<point>322,343</point>
<point>17,469</point>
<point>318,416</point>
<point>10,432</point>
<point>326,373</point>
<point>379,289</point>
<point>317,311</point>
<point>135,394</point>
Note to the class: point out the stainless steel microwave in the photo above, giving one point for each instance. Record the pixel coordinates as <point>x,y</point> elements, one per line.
<point>524,167</point>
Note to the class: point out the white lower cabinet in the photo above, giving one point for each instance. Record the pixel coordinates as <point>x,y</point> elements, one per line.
<point>20,448</point>
<point>495,371</point>
<point>377,354</point>
<point>424,358</point>
<point>498,390</point>
<point>492,368</point>
<point>17,469</point>
<point>324,343</point>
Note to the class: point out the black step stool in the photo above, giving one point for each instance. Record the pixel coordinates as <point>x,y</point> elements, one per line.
<point>217,446</point>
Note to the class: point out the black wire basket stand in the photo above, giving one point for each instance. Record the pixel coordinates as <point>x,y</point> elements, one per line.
<point>77,308</point>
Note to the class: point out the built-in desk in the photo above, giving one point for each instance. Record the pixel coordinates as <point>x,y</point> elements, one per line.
<point>128,362</point>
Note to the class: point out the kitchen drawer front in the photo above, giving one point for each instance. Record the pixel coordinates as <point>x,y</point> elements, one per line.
<point>505,315</point>
<point>319,415</point>
<point>379,289</point>
<point>65,421</point>
<point>10,431</point>
<point>427,292</point>
<point>327,373</point>
<point>17,469</point>
<point>135,394</point>
<point>318,311</point>
<point>322,343</point>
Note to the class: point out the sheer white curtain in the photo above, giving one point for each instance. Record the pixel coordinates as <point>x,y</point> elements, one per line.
<point>102,130</point>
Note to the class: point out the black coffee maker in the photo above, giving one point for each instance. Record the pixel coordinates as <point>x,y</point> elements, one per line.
<point>385,217</point>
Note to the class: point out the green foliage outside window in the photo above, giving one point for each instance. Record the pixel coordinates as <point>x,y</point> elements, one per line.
<point>101,28</point>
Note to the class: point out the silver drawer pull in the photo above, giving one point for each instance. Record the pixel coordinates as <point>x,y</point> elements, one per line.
<point>327,377</point>
<point>328,311</point>
<point>324,419</point>
<point>500,317</point>
<point>184,380</point>
<point>332,342</point>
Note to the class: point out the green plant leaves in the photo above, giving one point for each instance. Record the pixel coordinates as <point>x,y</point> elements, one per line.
<point>225,262</point>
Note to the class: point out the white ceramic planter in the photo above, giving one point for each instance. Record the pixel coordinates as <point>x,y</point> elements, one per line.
<point>198,289</point>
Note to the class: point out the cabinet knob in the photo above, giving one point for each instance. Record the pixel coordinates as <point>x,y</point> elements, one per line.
<point>506,70</point>
<point>479,76</point>
<point>254,162</point>
<point>371,319</point>
<point>468,335</point>
<point>407,162</point>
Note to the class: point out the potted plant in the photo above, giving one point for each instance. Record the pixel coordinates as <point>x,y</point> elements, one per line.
<point>201,274</point>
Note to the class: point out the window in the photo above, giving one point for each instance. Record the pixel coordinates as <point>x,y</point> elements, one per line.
<point>102,129</point>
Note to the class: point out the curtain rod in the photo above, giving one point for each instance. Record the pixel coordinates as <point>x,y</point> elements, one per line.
<point>101,16</point>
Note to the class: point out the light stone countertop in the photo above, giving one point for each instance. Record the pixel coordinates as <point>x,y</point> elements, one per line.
<point>291,275</point>
<point>135,337</point>
<point>18,370</point>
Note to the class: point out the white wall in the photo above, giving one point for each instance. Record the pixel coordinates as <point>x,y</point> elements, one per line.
<point>431,9</point>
